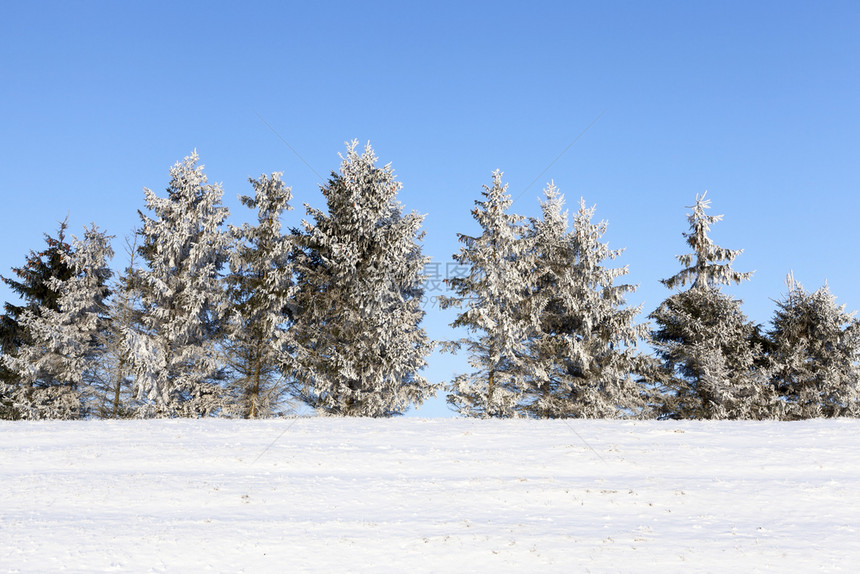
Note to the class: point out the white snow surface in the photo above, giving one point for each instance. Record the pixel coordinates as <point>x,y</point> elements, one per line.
<point>437,495</point>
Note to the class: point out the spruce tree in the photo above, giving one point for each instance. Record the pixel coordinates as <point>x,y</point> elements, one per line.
<point>33,287</point>
<point>175,355</point>
<point>491,295</point>
<point>815,347</point>
<point>58,364</point>
<point>359,271</point>
<point>710,351</point>
<point>583,353</point>
<point>260,292</point>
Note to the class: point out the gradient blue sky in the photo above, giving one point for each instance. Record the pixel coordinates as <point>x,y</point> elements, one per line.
<point>756,102</point>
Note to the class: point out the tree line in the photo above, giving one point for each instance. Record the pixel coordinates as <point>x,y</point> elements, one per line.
<point>210,319</point>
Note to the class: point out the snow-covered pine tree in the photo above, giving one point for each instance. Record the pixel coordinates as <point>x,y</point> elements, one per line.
<point>58,364</point>
<point>583,354</point>
<point>710,351</point>
<point>360,273</point>
<point>175,356</point>
<point>815,348</point>
<point>492,294</point>
<point>260,290</point>
<point>33,287</point>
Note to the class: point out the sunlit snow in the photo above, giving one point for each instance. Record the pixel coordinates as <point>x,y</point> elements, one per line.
<point>444,495</point>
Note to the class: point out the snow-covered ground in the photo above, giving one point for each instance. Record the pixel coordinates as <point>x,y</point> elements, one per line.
<point>443,495</point>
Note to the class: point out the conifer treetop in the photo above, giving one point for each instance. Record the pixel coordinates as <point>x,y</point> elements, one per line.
<point>709,265</point>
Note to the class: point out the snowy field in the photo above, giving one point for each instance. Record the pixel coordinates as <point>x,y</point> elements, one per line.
<point>443,495</point>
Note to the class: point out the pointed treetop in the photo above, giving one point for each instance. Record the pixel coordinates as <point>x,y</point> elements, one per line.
<point>552,208</point>
<point>709,265</point>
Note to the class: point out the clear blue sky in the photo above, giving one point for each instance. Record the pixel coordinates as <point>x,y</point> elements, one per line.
<point>756,102</point>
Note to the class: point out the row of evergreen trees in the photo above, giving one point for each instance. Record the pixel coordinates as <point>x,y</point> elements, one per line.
<point>252,321</point>
<point>232,321</point>
<point>550,334</point>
